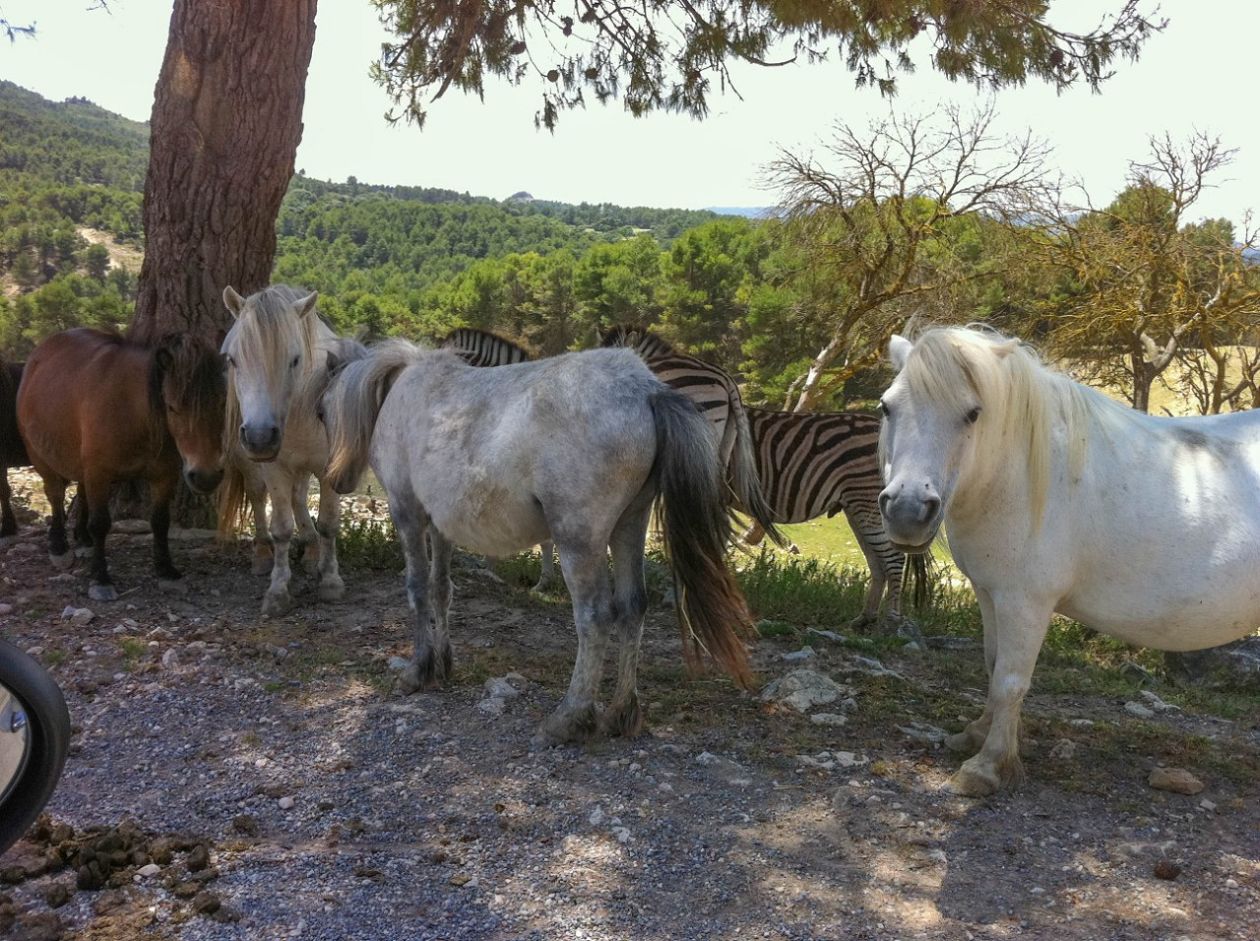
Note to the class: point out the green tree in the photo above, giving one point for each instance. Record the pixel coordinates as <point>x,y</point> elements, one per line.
<point>670,54</point>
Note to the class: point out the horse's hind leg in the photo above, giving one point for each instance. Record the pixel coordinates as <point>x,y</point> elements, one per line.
<point>58,547</point>
<point>79,509</point>
<point>8,522</point>
<point>585,566</point>
<point>547,580</point>
<point>1020,627</point>
<point>96,506</point>
<point>430,664</point>
<point>624,715</point>
<point>160,493</point>
<point>331,587</point>
<point>875,563</point>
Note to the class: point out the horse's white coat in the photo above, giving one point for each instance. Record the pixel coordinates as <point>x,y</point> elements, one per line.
<point>1150,529</point>
<point>278,350</point>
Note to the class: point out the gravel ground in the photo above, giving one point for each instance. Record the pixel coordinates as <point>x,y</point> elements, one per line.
<point>334,808</point>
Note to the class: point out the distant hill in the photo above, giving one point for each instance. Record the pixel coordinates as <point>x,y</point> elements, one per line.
<point>748,212</point>
<point>68,167</point>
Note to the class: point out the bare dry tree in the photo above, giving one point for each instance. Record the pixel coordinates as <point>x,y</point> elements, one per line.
<point>863,211</point>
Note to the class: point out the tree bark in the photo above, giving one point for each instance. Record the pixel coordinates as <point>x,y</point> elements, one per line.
<point>226,123</point>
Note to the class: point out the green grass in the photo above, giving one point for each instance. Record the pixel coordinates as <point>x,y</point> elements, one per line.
<point>368,544</point>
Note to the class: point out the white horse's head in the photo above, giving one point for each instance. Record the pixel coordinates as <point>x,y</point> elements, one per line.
<point>269,351</point>
<point>959,407</point>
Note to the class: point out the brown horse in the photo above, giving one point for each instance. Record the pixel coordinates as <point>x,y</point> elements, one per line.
<point>96,408</point>
<point>12,450</point>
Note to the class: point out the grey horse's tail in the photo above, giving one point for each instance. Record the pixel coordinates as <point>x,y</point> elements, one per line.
<point>711,609</point>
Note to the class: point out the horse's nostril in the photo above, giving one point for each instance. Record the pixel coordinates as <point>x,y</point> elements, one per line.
<point>931,506</point>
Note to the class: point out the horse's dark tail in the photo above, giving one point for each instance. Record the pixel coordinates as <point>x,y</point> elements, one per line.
<point>711,609</point>
<point>744,479</point>
<point>919,569</point>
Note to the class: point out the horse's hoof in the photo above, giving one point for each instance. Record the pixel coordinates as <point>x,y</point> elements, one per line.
<point>547,586</point>
<point>331,589</point>
<point>82,552</point>
<point>413,679</point>
<point>102,593</point>
<point>973,780</point>
<point>261,565</point>
<point>172,586</point>
<point>625,720</point>
<point>63,562</point>
<point>276,604</point>
<point>567,725</point>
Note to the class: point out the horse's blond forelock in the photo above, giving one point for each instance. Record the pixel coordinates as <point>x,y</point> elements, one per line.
<point>957,368</point>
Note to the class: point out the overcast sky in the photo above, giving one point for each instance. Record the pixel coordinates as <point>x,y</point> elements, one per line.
<point>1198,74</point>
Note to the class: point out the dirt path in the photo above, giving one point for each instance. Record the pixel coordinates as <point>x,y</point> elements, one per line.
<point>333,808</point>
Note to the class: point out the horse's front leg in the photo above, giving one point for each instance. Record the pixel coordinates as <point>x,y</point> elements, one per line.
<point>331,587</point>
<point>277,599</point>
<point>1018,630</point>
<point>161,491</point>
<point>429,665</point>
<point>969,740</point>
<point>256,494</point>
<point>96,506</point>
<point>584,564</point>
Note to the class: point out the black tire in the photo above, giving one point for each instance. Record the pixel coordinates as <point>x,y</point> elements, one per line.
<point>48,725</point>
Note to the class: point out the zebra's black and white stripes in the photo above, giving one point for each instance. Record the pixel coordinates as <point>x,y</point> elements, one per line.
<point>815,464</point>
<point>481,348</point>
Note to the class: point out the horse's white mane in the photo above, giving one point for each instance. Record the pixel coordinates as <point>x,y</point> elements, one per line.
<point>1020,397</point>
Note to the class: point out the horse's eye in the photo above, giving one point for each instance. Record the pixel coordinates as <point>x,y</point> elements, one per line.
<point>883,409</point>
<point>293,365</point>
<point>973,415</point>
<point>319,413</point>
<point>172,409</point>
<point>231,362</point>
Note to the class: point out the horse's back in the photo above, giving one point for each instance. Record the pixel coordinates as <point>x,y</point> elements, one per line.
<point>83,391</point>
<point>493,454</point>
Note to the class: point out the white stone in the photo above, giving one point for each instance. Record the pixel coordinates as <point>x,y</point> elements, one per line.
<point>148,871</point>
<point>828,718</point>
<point>500,687</point>
<point>286,803</point>
<point>804,689</point>
<point>170,659</point>
<point>1137,709</point>
<point>596,817</point>
<point>805,653</point>
<point>494,706</point>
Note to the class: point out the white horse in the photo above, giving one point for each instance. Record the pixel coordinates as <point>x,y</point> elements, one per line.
<point>276,353</point>
<point>1057,499</point>
<point>574,449</point>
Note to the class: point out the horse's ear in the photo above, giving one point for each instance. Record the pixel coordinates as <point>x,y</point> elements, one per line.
<point>899,351</point>
<point>232,301</point>
<point>304,305</point>
<point>1003,350</point>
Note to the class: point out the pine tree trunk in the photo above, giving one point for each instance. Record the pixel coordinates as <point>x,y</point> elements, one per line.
<point>226,122</point>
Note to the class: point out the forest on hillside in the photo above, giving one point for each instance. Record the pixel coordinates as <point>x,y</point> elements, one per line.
<point>1135,290</point>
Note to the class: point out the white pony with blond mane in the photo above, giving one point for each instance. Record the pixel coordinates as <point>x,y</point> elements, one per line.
<point>1055,498</point>
<point>277,353</point>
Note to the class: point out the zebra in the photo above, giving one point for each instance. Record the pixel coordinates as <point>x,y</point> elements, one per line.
<point>808,464</point>
<point>482,348</point>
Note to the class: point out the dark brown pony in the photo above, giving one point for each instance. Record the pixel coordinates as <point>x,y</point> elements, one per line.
<point>96,408</point>
<point>12,450</point>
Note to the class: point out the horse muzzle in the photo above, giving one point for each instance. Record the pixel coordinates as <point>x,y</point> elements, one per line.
<point>260,442</point>
<point>202,481</point>
<point>912,516</point>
